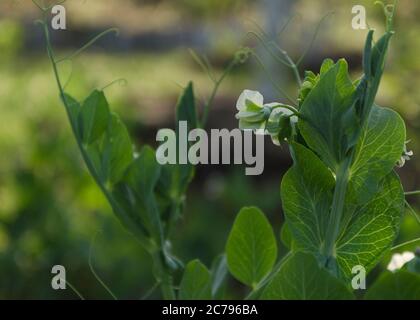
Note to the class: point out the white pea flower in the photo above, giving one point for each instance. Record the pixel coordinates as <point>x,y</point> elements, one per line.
<point>252,114</point>
<point>405,156</point>
<point>398,260</point>
<point>274,118</point>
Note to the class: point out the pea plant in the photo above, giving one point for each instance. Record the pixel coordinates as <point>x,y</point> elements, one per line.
<point>342,198</point>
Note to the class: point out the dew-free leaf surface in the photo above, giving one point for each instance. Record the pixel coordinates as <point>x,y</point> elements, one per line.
<point>369,229</point>
<point>401,285</point>
<point>301,278</point>
<point>251,248</point>
<point>196,282</point>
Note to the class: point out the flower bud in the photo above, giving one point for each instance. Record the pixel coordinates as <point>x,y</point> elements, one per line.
<point>308,83</point>
<point>280,123</point>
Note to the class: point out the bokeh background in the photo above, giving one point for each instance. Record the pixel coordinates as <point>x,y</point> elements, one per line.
<point>50,208</point>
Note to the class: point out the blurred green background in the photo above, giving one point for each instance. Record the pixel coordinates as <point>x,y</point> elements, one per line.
<point>50,209</point>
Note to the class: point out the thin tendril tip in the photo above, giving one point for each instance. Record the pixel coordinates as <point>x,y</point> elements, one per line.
<point>121,81</point>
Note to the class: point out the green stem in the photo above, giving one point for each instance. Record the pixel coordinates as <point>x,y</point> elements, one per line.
<point>257,291</point>
<point>405,244</point>
<point>163,277</point>
<point>214,92</point>
<point>88,44</point>
<point>150,291</point>
<point>337,208</point>
<point>97,277</point>
<point>75,290</point>
<point>293,109</point>
<point>294,67</point>
<point>412,193</point>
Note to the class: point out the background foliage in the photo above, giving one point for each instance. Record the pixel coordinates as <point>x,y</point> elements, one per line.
<point>50,209</point>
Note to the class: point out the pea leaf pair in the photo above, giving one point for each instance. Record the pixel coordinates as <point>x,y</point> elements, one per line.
<point>145,196</point>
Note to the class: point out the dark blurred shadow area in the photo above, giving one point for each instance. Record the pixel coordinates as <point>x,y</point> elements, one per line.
<point>50,209</point>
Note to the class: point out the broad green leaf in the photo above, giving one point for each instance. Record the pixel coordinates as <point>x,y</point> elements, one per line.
<point>366,233</point>
<point>372,228</point>
<point>286,236</point>
<point>117,149</point>
<point>251,248</point>
<point>127,183</point>
<point>171,188</point>
<point>378,55</point>
<point>175,178</point>
<point>185,109</point>
<point>367,55</point>
<point>330,125</point>
<point>301,278</point>
<point>144,172</point>
<point>196,282</point>
<point>135,193</point>
<point>111,154</point>
<point>106,148</point>
<point>401,285</point>
<point>306,193</point>
<point>167,193</point>
<point>93,117</point>
<point>379,148</point>
<point>373,66</point>
<point>219,272</point>
<point>327,64</point>
<point>182,174</point>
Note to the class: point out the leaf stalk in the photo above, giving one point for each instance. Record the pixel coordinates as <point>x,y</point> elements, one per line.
<point>337,209</point>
